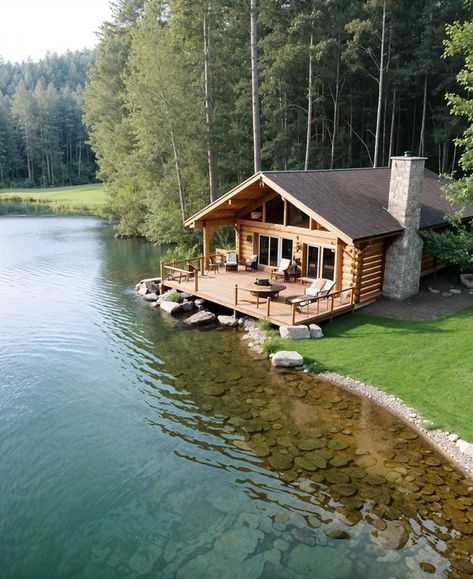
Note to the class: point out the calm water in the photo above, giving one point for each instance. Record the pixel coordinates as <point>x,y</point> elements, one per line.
<point>133,447</point>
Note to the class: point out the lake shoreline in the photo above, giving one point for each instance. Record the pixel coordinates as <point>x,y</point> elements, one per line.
<point>438,438</point>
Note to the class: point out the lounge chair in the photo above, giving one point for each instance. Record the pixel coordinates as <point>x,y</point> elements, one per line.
<point>281,270</point>
<point>319,287</point>
<point>231,263</point>
<point>251,263</point>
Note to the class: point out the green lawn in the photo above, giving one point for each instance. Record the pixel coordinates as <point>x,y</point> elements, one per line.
<point>75,198</point>
<point>428,364</point>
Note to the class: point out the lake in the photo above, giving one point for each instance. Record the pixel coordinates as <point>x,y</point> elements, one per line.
<point>132,446</point>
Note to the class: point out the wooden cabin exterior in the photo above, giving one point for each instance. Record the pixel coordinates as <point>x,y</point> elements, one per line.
<point>331,224</point>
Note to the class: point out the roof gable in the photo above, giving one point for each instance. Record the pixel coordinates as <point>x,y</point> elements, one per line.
<point>352,202</point>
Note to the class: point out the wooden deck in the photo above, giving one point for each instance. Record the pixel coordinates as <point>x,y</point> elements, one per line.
<point>231,289</point>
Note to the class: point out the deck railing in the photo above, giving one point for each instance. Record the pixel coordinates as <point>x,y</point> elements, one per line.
<point>338,298</point>
<point>259,299</point>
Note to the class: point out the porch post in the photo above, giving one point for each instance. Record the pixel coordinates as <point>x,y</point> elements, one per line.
<point>206,243</point>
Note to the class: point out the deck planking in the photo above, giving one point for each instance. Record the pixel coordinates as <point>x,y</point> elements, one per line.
<point>219,288</point>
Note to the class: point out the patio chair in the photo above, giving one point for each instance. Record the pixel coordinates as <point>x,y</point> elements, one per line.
<point>231,263</point>
<point>281,270</point>
<point>251,263</point>
<point>319,287</point>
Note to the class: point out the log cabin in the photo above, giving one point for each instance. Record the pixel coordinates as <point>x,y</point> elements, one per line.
<point>357,227</point>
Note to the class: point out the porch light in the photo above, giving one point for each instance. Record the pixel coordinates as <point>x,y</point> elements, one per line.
<point>249,238</point>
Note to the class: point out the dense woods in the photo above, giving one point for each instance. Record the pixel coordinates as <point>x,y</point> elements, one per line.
<point>42,137</point>
<point>338,84</point>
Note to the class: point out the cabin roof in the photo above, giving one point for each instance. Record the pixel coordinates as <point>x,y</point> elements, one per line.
<point>352,201</point>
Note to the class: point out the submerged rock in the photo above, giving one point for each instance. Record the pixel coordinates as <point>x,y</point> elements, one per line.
<point>394,537</point>
<point>317,561</point>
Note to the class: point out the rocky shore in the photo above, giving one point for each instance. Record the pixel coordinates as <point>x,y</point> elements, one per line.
<point>449,444</point>
<point>174,302</point>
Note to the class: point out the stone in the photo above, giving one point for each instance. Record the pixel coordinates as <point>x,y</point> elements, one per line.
<point>202,318</point>
<point>328,562</point>
<point>228,321</point>
<point>465,447</point>
<point>394,537</point>
<point>142,291</point>
<point>152,297</point>
<point>280,462</point>
<point>446,294</point>
<point>337,533</point>
<point>467,280</point>
<point>294,333</point>
<point>433,290</point>
<point>453,437</point>
<point>315,331</point>
<point>170,307</point>
<point>199,303</point>
<point>455,292</point>
<point>287,359</point>
<point>187,306</point>
<point>152,285</point>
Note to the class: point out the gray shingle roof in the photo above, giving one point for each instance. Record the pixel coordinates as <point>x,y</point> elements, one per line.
<point>355,201</point>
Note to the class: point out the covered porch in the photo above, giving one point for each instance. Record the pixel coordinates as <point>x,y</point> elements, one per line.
<point>235,290</point>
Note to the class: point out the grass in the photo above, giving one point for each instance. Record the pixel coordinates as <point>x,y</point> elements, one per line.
<point>428,364</point>
<point>74,199</point>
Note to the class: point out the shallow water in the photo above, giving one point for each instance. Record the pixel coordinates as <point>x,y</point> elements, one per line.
<point>134,447</point>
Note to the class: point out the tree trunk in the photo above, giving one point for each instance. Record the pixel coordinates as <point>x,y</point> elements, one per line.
<point>255,89</point>
<point>179,179</point>
<point>391,132</point>
<point>209,111</point>
<point>309,103</point>
<point>380,89</point>
<point>422,126</point>
<point>335,99</point>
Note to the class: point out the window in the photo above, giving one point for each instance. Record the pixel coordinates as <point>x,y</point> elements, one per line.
<point>320,262</point>
<point>255,214</point>
<point>273,249</point>
<point>296,217</point>
<point>275,211</point>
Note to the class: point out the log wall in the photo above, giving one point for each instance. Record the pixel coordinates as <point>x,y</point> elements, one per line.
<point>369,269</point>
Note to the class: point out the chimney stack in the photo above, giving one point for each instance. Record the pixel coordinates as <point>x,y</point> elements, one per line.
<point>404,255</point>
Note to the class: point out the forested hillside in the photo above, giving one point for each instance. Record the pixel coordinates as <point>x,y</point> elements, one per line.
<point>42,137</point>
<point>341,84</point>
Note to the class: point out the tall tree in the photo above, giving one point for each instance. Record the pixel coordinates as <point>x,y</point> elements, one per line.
<point>255,87</point>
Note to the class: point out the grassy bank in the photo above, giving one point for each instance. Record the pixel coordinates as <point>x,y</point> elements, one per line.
<point>428,364</point>
<point>74,199</point>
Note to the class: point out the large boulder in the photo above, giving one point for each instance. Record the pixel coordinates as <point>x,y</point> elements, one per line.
<point>152,297</point>
<point>187,306</point>
<point>294,332</point>
<point>287,359</point>
<point>152,286</point>
<point>315,331</point>
<point>201,319</point>
<point>229,321</point>
<point>171,307</point>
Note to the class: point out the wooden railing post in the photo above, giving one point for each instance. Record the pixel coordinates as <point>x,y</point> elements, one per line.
<point>196,280</point>
<point>268,306</point>
<point>236,295</point>
<point>293,322</point>
<point>202,265</point>
<point>161,267</point>
<point>331,305</point>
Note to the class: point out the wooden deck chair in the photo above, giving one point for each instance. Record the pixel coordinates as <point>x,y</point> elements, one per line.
<point>231,263</point>
<point>251,263</point>
<point>281,270</point>
<point>319,287</point>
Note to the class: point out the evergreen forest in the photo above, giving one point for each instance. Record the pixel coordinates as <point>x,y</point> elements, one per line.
<point>43,141</point>
<point>187,98</point>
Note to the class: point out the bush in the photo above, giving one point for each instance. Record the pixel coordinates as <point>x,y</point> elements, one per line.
<point>176,298</point>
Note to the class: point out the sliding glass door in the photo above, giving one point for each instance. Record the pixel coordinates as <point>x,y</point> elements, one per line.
<point>273,249</point>
<point>320,262</point>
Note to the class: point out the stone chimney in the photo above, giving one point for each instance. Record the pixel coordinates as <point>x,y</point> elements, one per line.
<point>404,255</point>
